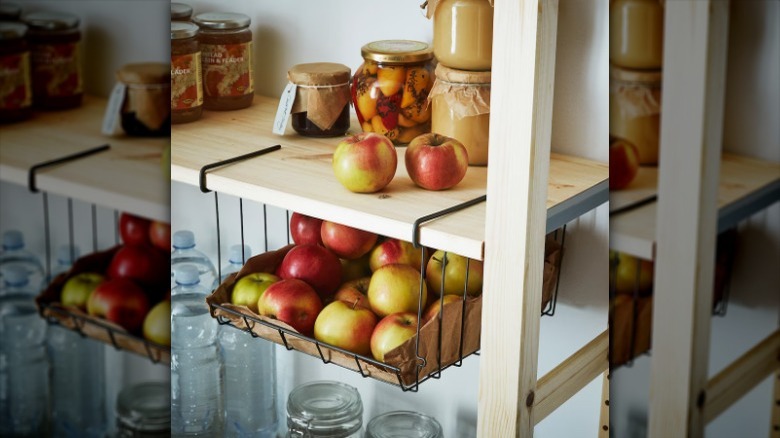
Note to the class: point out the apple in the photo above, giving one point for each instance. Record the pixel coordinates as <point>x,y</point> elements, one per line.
<point>121,301</point>
<point>365,163</point>
<point>314,264</point>
<point>346,326</point>
<point>433,309</point>
<point>78,288</point>
<point>305,229</point>
<point>623,163</point>
<point>454,274</point>
<point>293,302</point>
<point>160,235</point>
<point>134,230</point>
<point>436,162</point>
<point>347,242</point>
<point>626,270</point>
<point>396,288</point>
<point>355,269</point>
<point>392,251</point>
<point>248,290</point>
<point>354,292</point>
<point>157,324</point>
<point>142,264</point>
<point>392,331</point>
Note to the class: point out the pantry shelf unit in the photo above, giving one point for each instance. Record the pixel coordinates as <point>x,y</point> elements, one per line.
<point>299,177</point>
<point>126,177</point>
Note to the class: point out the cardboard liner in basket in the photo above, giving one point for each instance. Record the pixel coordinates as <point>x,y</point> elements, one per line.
<point>623,327</point>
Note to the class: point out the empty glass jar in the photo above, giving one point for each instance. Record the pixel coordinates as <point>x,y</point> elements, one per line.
<point>324,409</point>
<point>403,424</point>
<point>144,411</point>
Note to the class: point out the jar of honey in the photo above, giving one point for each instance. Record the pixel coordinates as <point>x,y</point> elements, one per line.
<point>55,39</point>
<point>460,103</point>
<point>15,89</point>
<point>636,33</point>
<point>145,111</point>
<point>635,109</point>
<point>186,80</point>
<point>462,33</point>
<point>10,11</point>
<point>181,12</point>
<point>390,89</point>
<point>226,55</point>
<point>321,107</point>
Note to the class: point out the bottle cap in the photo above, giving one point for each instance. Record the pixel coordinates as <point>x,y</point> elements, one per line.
<point>183,239</point>
<point>15,275</point>
<point>187,275</point>
<point>235,254</point>
<point>67,254</point>
<point>13,239</point>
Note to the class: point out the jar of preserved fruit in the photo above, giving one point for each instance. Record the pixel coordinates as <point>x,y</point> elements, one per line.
<point>404,423</point>
<point>462,33</point>
<point>145,111</point>
<point>324,409</point>
<point>390,89</point>
<point>636,37</point>
<point>54,39</point>
<point>321,107</point>
<point>226,48</point>
<point>181,12</point>
<point>460,104</point>
<point>15,90</point>
<point>635,109</point>
<point>10,12</point>
<point>144,411</point>
<point>186,80</point>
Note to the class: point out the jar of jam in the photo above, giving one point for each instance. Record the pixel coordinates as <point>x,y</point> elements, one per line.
<point>15,90</point>
<point>54,39</point>
<point>460,103</point>
<point>226,48</point>
<point>186,80</point>
<point>462,33</point>
<point>324,410</point>
<point>10,12</point>
<point>390,89</point>
<point>145,111</point>
<point>144,411</point>
<point>321,107</point>
<point>636,33</point>
<point>635,109</point>
<point>181,12</point>
<point>404,423</point>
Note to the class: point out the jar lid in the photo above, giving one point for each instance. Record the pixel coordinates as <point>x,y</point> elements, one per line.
<point>10,10</point>
<point>51,20</point>
<point>319,73</point>
<point>180,10</point>
<point>403,423</point>
<point>462,76</point>
<point>629,75</point>
<point>325,409</point>
<point>182,29</point>
<point>397,51</point>
<point>10,30</point>
<point>145,407</point>
<point>145,73</point>
<point>222,20</point>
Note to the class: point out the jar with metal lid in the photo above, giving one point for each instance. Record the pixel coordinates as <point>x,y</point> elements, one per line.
<point>390,89</point>
<point>181,12</point>
<point>635,109</point>
<point>144,411</point>
<point>145,111</point>
<point>636,33</point>
<point>462,33</point>
<point>226,55</point>
<point>15,89</point>
<point>321,106</point>
<point>55,39</point>
<point>405,424</point>
<point>460,102</point>
<point>324,410</point>
<point>10,11</point>
<point>186,79</point>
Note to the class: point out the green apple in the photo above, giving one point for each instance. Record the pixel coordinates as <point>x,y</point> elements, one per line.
<point>157,324</point>
<point>248,290</point>
<point>78,288</point>
<point>454,274</point>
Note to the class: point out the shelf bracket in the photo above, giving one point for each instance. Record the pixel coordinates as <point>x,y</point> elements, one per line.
<point>72,157</point>
<point>440,213</point>
<point>206,168</point>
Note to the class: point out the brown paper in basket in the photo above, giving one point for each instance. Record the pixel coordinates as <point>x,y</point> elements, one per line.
<point>622,325</point>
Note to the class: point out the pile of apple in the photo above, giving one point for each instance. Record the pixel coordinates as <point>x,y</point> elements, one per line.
<point>134,292</point>
<point>354,290</point>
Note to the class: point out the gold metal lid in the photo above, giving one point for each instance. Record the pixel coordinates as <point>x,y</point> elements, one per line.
<point>183,29</point>
<point>222,20</point>
<point>145,73</point>
<point>397,51</point>
<point>51,20</point>
<point>180,10</point>
<point>319,73</point>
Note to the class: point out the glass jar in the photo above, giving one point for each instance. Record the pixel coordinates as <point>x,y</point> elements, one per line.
<point>463,33</point>
<point>390,89</point>
<point>460,102</point>
<point>15,91</point>
<point>145,111</point>
<point>181,12</point>
<point>10,11</point>
<point>144,411</point>
<point>321,106</point>
<point>404,424</point>
<point>54,39</point>
<point>226,47</point>
<point>636,37</point>
<point>324,409</point>
<point>186,80</point>
<point>635,110</point>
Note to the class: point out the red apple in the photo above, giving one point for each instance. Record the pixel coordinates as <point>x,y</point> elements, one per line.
<point>433,309</point>
<point>157,324</point>
<point>143,264</point>
<point>392,251</point>
<point>120,301</point>
<point>354,292</point>
<point>454,274</point>
<point>346,326</point>
<point>248,290</point>
<point>623,163</point>
<point>436,162</point>
<point>396,288</point>
<point>365,163</point>
<point>392,331</point>
<point>134,230</point>
<point>293,302</point>
<point>355,269</point>
<point>160,235</point>
<point>347,242</point>
<point>78,288</point>
<point>314,264</point>
<point>305,229</point>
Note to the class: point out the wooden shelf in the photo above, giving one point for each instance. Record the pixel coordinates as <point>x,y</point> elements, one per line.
<point>746,187</point>
<point>299,177</point>
<point>128,177</point>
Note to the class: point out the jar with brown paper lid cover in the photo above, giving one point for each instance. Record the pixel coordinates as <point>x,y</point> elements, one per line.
<point>186,79</point>
<point>462,33</point>
<point>146,111</point>
<point>15,88</point>
<point>635,109</point>
<point>636,36</point>
<point>321,107</point>
<point>181,12</point>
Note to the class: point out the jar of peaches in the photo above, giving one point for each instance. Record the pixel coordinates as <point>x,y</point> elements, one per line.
<point>390,89</point>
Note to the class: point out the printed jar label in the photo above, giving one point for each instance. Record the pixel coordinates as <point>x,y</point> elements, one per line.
<point>15,92</point>
<point>227,69</point>
<point>56,70</point>
<point>186,86</point>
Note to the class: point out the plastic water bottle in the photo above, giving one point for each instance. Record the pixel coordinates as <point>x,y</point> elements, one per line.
<point>184,252</point>
<point>24,366</point>
<point>196,370</point>
<point>66,256</point>
<point>14,253</point>
<point>237,255</point>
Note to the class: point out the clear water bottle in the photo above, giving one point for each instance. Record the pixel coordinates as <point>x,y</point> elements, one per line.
<point>24,366</point>
<point>184,252</point>
<point>14,253</point>
<point>403,423</point>
<point>324,409</point>
<point>143,410</point>
<point>237,256</point>
<point>66,256</point>
<point>196,371</point>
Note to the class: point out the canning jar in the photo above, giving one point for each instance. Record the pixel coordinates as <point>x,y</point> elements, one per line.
<point>144,411</point>
<point>226,55</point>
<point>15,90</point>
<point>460,102</point>
<point>404,423</point>
<point>324,409</point>
<point>145,111</point>
<point>186,80</point>
<point>635,109</point>
<point>390,89</point>
<point>181,12</point>
<point>321,106</point>
<point>54,39</point>
<point>10,12</point>
<point>636,36</point>
<point>462,33</point>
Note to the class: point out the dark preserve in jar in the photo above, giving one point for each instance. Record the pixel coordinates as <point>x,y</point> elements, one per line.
<point>54,39</point>
<point>226,56</point>
<point>180,12</point>
<point>186,85</point>
<point>321,107</point>
<point>15,91</point>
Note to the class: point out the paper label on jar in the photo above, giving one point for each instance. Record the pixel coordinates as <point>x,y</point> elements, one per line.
<point>111,125</point>
<point>227,69</point>
<point>15,91</point>
<point>186,82</point>
<point>56,69</point>
<point>284,109</point>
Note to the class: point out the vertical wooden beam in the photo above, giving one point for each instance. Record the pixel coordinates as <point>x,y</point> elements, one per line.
<point>774,429</point>
<point>520,129</point>
<point>604,418</point>
<point>696,36</point>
